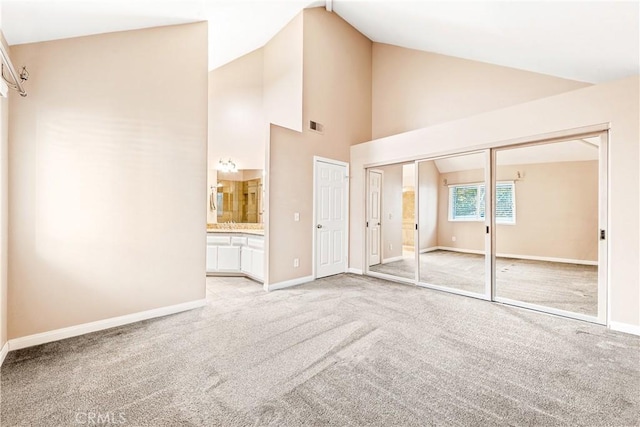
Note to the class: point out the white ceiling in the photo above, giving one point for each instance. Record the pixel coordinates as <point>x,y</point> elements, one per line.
<point>583,40</point>
<point>591,41</point>
<point>236,27</point>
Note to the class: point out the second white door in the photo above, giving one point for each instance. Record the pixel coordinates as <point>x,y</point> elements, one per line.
<point>331,218</point>
<point>373,217</point>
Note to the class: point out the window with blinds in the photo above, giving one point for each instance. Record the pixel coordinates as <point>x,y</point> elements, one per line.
<point>467,202</point>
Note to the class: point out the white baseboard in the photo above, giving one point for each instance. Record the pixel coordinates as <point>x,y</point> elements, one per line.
<point>527,257</point>
<point>85,328</point>
<point>549,259</point>
<point>3,352</point>
<point>625,327</point>
<point>431,249</point>
<point>289,283</point>
<point>354,270</point>
<point>392,259</point>
<point>461,250</point>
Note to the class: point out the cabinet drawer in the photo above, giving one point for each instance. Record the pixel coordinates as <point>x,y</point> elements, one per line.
<point>254,242</point>
<point>238,240</point>
<point>218,240</point>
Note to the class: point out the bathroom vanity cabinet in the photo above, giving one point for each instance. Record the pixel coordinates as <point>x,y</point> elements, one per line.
<point>235,253</point>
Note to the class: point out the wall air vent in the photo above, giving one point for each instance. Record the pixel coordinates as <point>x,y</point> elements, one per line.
<point>316,127</point>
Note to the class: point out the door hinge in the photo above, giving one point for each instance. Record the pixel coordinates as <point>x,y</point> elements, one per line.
<point>487,229</point>
<point>367,224</point>
<point>603,235</point>
<point>416,226</point>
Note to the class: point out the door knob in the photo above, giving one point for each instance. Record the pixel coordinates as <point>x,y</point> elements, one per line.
<point>319,226</point>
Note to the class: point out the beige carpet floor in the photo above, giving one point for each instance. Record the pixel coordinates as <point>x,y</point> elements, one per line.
<point>341,351</point>
<point>569,287</point>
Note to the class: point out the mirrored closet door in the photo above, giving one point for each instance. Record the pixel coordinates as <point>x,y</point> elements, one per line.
<point>452,207</point>
<point>523,224</point>
<point>549,215</point>
<point>390,221</point>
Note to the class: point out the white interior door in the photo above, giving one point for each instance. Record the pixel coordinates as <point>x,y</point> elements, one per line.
<point>331,218</point>
<point>374,217</point>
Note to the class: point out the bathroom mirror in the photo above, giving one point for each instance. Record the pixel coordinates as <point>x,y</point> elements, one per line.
<point>239,196</point>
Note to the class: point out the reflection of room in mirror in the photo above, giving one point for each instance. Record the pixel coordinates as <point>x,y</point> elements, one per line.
<point>240,196</point>
<point>546,216</point>
<point>549,255</point>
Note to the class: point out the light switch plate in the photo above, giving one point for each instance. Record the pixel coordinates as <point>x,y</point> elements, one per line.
<point>296,216</point>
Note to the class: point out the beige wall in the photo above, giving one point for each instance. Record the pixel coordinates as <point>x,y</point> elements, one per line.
<point>556,212</point>
<point>337,93</point>
<point>408,215</point>
<point>236,118</point>
<point>468,235</point>
<point>614,103</point>
<point>283,76</point>
<point>398,209</point>
<point>107,160</point>
<point>428,185</point>
<point>4,210</point>
<point>392,210</point>
<point>245,95</point>
<point>4,103</point>
<point>236,112</point>
<point>414,89</point>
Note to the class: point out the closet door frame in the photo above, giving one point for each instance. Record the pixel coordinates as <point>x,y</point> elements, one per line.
<point>490,150</point>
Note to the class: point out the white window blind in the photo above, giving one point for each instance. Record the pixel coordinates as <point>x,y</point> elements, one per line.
<point>505,203</point>
<point>463,200</point>
<point>467,202</point>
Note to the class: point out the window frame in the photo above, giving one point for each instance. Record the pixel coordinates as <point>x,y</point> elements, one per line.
<point>478,218</point>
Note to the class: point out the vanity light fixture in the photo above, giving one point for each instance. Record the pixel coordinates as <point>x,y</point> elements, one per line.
<point>227,166</point>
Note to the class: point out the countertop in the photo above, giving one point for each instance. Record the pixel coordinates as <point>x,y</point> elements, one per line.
<point>253,231</point>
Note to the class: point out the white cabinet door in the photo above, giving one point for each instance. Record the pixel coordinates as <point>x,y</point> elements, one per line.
<point>228,258</point>
<point>212,258</point>
<point>257,264</point>
<point>245,260</point>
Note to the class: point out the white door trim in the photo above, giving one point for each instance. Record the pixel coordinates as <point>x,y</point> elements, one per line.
<point>604,247</point>
<point>316,160</point>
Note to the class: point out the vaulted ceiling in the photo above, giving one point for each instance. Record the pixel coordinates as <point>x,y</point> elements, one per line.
<point>591,41</point>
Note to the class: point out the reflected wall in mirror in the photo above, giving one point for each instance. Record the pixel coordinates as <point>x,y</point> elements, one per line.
<point>240,196</point>
<point>547,249</point>
<point>391,222</point>
<point>451,222</point>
